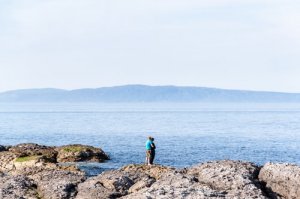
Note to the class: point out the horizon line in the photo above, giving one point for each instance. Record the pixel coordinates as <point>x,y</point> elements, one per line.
<point>147,85</point>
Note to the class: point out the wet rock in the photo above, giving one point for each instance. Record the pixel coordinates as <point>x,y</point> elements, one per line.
<point>238,179</point>
<point>31,150</point>
<point>281,180</point>
<point>17,187</point>
<point>2,148</point>
<point>77,153</point>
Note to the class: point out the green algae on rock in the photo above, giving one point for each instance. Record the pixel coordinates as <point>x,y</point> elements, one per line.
<point>80,153</point>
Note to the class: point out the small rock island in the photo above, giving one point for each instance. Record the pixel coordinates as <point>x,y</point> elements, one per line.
<point>32,171</point>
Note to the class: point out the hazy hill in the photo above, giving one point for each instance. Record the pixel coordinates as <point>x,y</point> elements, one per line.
<point>142,93</point>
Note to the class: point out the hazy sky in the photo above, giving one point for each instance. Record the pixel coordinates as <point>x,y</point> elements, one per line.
<point>242,44</point>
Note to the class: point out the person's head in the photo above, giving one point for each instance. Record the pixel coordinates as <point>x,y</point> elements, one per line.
<point>152,139</point>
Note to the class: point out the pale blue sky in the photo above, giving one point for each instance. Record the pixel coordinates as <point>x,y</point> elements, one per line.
<point>245,44</point>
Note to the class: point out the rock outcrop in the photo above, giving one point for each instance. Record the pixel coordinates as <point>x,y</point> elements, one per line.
<point>281,180</point>
<point>28,155</point>
<point>48,154</point>
<point>30,171</point>
<point>77,152</point>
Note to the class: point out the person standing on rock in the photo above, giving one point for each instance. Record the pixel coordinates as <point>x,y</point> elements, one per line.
<point>153,147</point>
<point>149,146</point>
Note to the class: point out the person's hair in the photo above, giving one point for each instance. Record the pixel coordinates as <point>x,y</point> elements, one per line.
<point>149,137</point>
<point>152,139</point>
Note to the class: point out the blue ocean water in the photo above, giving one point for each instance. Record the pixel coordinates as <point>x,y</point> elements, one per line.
<point>185,134</point>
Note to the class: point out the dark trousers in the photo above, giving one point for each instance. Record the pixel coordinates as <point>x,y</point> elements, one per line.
<point>152,156</point>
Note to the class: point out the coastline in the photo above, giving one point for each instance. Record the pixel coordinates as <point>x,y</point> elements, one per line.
<point>35,171</point>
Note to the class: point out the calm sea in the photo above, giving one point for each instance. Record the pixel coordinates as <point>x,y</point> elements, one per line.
<point>185,134</point>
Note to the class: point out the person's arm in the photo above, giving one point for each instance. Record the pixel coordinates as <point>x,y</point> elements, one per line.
<point>153,146</point>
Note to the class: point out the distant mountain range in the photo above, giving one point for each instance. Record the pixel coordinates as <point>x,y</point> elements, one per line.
<point>143,93</point>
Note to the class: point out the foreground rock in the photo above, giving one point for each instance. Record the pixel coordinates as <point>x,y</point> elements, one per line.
<point>175,185</point>
<point>17,187</point>
<point>238,179</point>
<point>282,180</point>
<point>31,171</point>
<point>57,184</point>
<point>117,183</point>
<point>220,179</point>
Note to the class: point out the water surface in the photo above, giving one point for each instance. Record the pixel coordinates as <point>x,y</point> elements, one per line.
<point>185,134</point>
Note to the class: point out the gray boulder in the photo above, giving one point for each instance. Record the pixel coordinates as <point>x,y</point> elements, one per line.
<point>238,179</point>
<point>110,184</point>
<point>282,180</point>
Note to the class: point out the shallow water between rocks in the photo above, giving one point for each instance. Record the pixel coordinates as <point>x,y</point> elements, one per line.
<point>185,133</point>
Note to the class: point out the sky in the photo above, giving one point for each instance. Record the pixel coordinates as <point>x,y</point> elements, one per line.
<point>70,44</point>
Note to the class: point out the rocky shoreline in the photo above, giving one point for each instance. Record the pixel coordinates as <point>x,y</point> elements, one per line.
<point>32,171</point>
